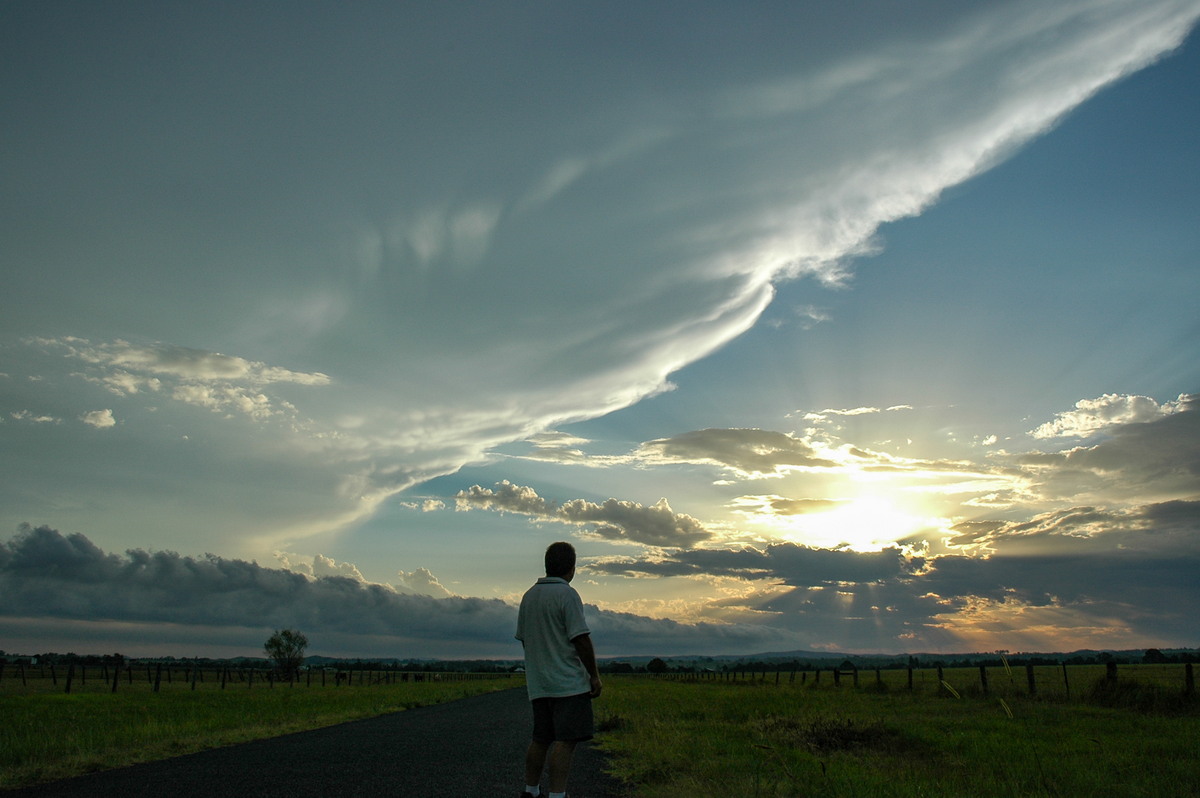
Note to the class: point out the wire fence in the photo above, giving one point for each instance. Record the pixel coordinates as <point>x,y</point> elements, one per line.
<point>155,677</point>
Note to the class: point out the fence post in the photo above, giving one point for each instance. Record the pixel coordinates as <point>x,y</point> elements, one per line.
<point>70,676</point>
<point>1110,672</point>
<point>983,678</point>
<point>1066,681</point>
<point>21,670</point>
<point>53,675</point>
<point>837,677</point>
<point>195,671</point>
<point>910,670</point>
<point>1189,680</point>
<point>1029,678</point>
<point>158,675</point>
<point>116,675</point>
<point>941,687</point>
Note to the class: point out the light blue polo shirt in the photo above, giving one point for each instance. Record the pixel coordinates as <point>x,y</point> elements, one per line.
<point>551,616</point>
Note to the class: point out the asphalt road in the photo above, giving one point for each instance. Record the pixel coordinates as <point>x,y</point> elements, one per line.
<point>471,748</point>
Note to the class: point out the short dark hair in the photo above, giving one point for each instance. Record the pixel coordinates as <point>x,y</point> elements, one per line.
<point>560,559</point>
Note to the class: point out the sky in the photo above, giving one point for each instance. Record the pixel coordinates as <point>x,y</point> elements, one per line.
<point>849,327</point>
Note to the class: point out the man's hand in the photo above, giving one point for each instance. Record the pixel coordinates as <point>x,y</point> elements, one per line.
<point>587,655</point>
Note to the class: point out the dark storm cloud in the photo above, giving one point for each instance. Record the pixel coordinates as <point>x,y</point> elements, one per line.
<point>46,574</point>
<point>788,563</point>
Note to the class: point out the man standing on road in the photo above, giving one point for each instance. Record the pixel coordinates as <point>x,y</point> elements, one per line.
<point>560,671</point>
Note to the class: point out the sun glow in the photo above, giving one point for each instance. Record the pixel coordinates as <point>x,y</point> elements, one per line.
<point>867,523</point>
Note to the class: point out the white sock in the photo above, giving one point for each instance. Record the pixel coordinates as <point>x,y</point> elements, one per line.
<point>535,790</point>
<point>558,795</point>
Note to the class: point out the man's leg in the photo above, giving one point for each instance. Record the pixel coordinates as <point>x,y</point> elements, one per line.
<point>560,765</point>
<point>535,761</point>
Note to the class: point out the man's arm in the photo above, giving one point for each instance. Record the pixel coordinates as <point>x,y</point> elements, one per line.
<point>587,655</point>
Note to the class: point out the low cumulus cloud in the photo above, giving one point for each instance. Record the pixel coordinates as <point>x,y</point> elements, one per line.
<point>1093,416</point>
<point>613,519</point>
<point>1147,452</point>
<point>44,573</point>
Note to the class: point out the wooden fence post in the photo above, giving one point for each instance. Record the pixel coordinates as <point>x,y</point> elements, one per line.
<point>70,676</point>
<point>1066,681</point>
<point>195,671</point>
<point>158,675</point>
<point>53,675</point>
<point>910,670</point>
<point>941,686</point>
<point>1110,672</point>
<point>1029,678</point>
<point>1189,680</point>
<point>837,677</point>
<point>21,670</point>
<point>116,675</point>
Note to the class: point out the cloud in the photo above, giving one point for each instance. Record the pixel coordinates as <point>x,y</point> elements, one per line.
<point>46,574</point>
<point>25,415</point>
<point>549,246</point>
<point>1093,416</point>
<point>100,419</point>
<point>1148,452</point>
<point>1077,571</point>
<point>613,519</point>
<point>747,452</point>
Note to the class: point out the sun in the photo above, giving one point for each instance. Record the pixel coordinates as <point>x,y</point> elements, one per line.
<point>865,523</point>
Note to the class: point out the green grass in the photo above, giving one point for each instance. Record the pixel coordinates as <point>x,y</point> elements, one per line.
<point>757,739</point>
<point>48,734</point>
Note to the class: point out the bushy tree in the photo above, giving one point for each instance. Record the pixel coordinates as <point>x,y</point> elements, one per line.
<point>286,648</point>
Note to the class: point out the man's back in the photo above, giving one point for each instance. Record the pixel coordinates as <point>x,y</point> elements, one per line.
<point>551,616</point>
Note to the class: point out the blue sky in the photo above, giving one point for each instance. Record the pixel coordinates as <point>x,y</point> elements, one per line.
<point>856,329</point>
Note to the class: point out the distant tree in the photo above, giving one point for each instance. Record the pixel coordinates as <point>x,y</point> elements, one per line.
<point>286,648</point>
<point>656,665</point>
<point>1154,657</point>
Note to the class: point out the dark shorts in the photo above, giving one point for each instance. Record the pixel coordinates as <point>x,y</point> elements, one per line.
<point>567,719</point>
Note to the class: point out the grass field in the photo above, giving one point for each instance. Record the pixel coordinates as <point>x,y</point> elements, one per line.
<point>758,735</point>
<point>49,734</point>
<point>759,738</point>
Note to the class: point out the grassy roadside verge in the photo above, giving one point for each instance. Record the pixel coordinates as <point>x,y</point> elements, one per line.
<point>47,736</point>
<point>715,739</point>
